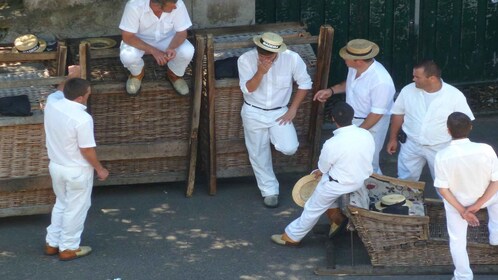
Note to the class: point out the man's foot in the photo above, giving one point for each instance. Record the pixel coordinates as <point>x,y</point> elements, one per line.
<point>134,83</point>
<point>50,251</point>
<point>271,201</point>
<point>178,83</point>
<point>284,240</point>
<point>68,255</point>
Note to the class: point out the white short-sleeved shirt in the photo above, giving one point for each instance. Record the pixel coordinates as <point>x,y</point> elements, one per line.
<point>138,18</point>
<point>466,168</point>
<point>68,127</point>
<point>427,125</point>
<point>372,92</point>
<point>347,156</point>
<point>275,89</point>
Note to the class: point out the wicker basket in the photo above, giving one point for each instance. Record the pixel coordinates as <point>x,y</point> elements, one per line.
<point>400,240</point>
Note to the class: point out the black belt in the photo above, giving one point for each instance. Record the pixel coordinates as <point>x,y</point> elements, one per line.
<point>272,109</point>
<point>359,118</point>
<point>332,179</point>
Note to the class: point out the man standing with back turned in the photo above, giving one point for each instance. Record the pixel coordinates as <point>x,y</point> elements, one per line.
<point>71,150</point>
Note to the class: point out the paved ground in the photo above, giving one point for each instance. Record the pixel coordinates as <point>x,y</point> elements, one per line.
<point>154,232</point>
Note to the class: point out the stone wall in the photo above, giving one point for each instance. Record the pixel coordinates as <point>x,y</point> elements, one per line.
<point>95,18</point>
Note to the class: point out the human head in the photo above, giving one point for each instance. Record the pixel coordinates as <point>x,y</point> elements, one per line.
<point>77,89</point>
<point>427,75</point>
<point>270,42</point>
<point>459,125</point>
<point>342,114</point>
<point>359,49</point>
<point>167,6</point>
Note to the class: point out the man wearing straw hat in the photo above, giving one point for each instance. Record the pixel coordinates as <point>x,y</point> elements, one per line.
<point>266,76</point>
<point>370,91</point>
<point>73,160</point>
<point>467,179</point>
<point>344,164</point>
<point>159,28</point>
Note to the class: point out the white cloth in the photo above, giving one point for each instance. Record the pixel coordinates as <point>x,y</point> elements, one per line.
<point>346,157</point>
<point>68,127</point>
<point>413,157</point>
<point>73,188</point>
<point>466,169</point>
<point>275,89</point>
<point>427,126</point>
<point>260,126</point>
<point>138,18</point>
<point>372,92</point>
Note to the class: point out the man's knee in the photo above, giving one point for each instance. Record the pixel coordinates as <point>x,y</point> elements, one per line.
<point>287,150</point>
<point>129,57</point>
<point>186,51</point>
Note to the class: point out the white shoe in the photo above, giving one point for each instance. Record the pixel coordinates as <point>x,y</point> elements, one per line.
<point>181,86</point>
<point>134,83</point>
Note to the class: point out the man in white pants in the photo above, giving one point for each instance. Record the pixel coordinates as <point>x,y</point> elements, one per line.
<point>159,28</point>
<point>71,150</point>
<point>266,76</point>
<point>467,179</point>
<point>344,164</point>
<point>422,109</point>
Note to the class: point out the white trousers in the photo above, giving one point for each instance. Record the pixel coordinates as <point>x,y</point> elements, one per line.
<point>261,129</point>
<point>132,57</point>
<point>73,188</point>
<point>457,231</point>
<point>324,197</point>
<point>413,157</point>
<point>379,132</point>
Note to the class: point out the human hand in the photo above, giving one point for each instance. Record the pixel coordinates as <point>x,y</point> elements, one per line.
<point>322,95</point>
<point>287,117</point>
<point>74,71</point>
<point>102,174</point>
<point>317,173</point>
<point>472,208</point>
<point>471,219</point>
<point>264,64</point>
<point>170,54</point>
<point>160,57</point>
<point>392,146</point>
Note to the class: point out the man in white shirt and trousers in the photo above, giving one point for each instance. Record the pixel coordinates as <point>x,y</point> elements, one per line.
<point>266,76</point>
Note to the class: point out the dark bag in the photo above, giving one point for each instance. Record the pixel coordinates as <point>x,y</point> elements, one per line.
<point>226,68</point>
<point>15,106</point>
<point>401,136</point>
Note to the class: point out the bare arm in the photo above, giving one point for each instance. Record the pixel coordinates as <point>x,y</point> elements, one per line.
<point>264,66</point>
<point>324,94</point>
<point>370,120</point>
<point>91,156</point>
<point>491,190</point>
<point>291,113</point>
<point>74,71</point>
<point>396,122</point>
<point>132,40</point>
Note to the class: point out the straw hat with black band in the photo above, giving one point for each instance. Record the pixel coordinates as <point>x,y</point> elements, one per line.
<point>359,49</point>
<point>29,43</point>
<point>393,204</point>
<point>270,41</point>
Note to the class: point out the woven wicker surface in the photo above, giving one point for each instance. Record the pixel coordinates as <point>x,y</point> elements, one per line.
<point>146,167</point>
<point>34,197</point>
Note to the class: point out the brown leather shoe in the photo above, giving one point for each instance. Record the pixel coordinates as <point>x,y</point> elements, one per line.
<point>50,251</point>
<point>68,255</point>
<point>283,239</point>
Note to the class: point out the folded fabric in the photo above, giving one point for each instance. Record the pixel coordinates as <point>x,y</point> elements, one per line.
<point>15,106</point>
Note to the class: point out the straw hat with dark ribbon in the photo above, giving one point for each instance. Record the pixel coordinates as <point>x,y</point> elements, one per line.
<point>28,43</point>
<point>359,49</point>
<point>392,200</point>
<point>271,42</point>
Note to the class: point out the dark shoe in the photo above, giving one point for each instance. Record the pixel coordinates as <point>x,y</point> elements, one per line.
<point>284,240</point>
<point>68,255</point>
<point>134,83</point>
<point>50,251</point>
<point>271,201</point>
<point>337,228</point>
<point>178,83</point>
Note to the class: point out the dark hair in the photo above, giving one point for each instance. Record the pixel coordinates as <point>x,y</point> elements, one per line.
<point>342,113</point>
<point>459,125</point>
<point>75,87</point>
<point>430,68</point>
<point>264,52</point>
<point>163,2</point>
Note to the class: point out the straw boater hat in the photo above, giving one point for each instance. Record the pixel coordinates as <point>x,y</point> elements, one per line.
<point>99,43</point>
<point>359,49</point>
<point>304,188</point>
<point>28,43</point>
<point>392,200</point>
<point>270,41</point>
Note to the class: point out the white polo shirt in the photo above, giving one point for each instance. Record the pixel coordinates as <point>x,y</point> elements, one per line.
<point>426,125</point>
<point>372,92</point>
<point>138,18</point>
<point>347,156</point>
<point>275,89</point>
<point>466,168</point>
<point>68,127</point>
